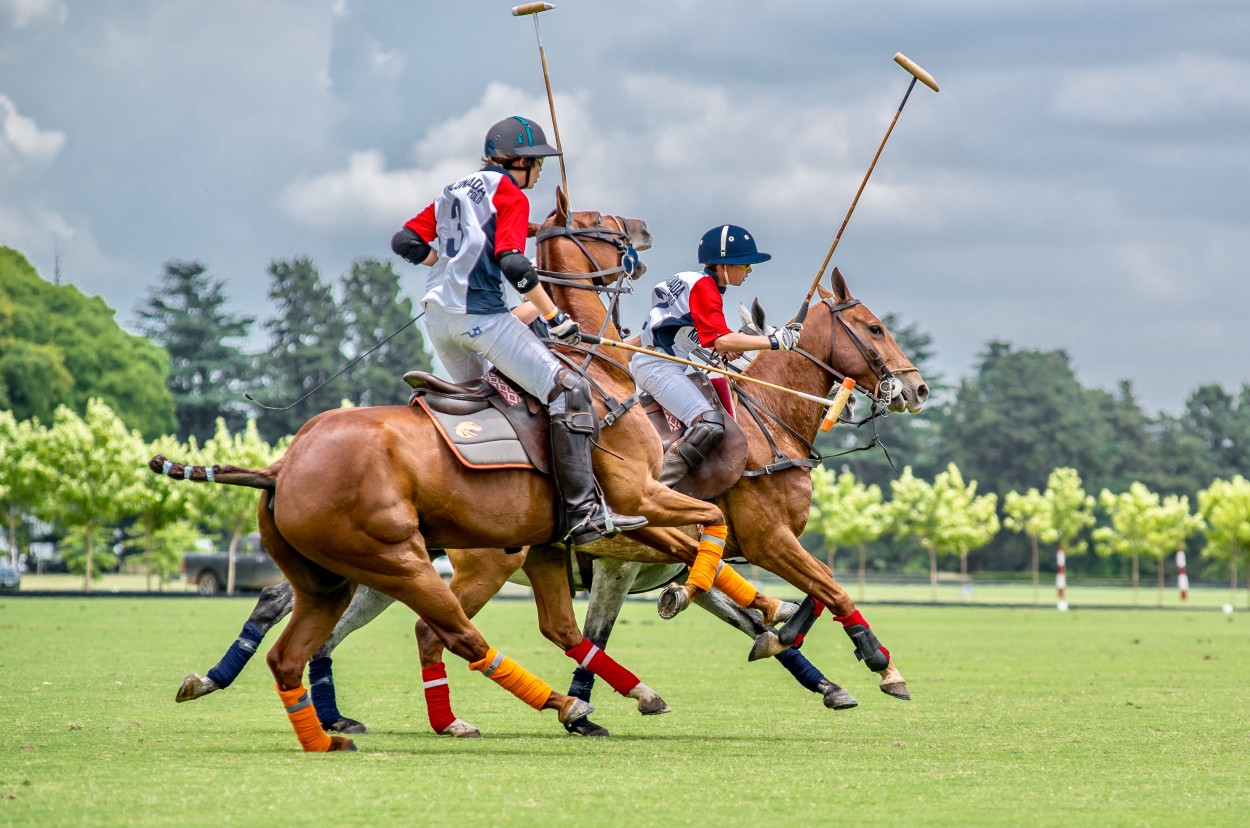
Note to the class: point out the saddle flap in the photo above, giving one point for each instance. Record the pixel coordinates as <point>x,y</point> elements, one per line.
<point>723,468</point>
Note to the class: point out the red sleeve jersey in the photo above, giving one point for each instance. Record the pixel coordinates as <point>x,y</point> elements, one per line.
<point>707,311</point>
<point>512,211</point>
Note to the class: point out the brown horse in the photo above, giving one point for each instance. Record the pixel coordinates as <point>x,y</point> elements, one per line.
<point>362,494</point>
<point>842,337</point>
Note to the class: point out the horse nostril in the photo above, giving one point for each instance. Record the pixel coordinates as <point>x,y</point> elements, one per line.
<point>922,392</point>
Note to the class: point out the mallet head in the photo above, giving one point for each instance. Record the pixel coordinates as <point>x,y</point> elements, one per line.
<point>531,8</point>
<point>899,58</point>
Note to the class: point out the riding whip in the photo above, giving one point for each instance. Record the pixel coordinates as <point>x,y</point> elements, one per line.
<point>917,74</point>
<point>535,9</point>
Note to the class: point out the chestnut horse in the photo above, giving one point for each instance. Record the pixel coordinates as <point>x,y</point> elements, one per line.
<point>841,337</point>
<point>402,492</point>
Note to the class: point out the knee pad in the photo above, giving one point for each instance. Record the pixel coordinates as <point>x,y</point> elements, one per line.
<point>704,436</point>
<point>579,413</point>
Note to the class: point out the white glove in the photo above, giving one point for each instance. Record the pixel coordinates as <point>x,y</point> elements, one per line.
<point>787,338</point>
<point>564,328</point>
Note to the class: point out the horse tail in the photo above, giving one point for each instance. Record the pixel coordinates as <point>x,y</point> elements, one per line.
<point>230,475</point>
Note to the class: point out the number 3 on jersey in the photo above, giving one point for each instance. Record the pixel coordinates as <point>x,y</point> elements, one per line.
<point>453,244</point>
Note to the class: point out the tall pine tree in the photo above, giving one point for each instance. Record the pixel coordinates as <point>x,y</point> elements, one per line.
<point>305,345</point>
<point>185,313</point>
<point>375,309</point>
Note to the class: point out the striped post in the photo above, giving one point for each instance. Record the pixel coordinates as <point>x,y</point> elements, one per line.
<point>1061,579</point>
<point>1182,579</point>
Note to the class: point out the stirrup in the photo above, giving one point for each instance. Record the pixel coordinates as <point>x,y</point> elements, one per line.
<point>588,529</point>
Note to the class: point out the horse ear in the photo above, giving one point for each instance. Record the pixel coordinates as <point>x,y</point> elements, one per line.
<point>562,207</point>
<point>840,291</point>
<point>757,314</point>
<point>744,316</point>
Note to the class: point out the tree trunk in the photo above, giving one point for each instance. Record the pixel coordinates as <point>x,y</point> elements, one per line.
<point>963,576</point>
<point>831,552</point>
<point>147,553</point>
<point>13,519</point>
<point>933,573</point>
<point>1160,581</point>
<point>86,578</point>
<point>863,555</point>
<point>1136,579</point>
<point>1036,593</point>
<point>234,544</point>
<point>1232,568</point>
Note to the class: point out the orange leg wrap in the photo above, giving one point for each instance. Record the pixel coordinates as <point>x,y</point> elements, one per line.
<point>735,586</point>
<point>303,716</point>
<point>514,678</point>
<point>711,547</point>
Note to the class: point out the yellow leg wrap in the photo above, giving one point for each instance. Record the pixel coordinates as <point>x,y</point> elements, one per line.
<point>735,586</point>
<point>514,678</point>
<point>711,547</point>
<point>303,716</point>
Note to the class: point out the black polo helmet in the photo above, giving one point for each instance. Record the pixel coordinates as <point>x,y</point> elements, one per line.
<point>729,244</point>
<point>517,137</point>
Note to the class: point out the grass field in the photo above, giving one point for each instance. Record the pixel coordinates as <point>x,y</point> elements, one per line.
<point>1020,717</point>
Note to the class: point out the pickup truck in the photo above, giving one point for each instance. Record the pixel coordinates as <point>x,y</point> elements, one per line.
<point>253,569</point>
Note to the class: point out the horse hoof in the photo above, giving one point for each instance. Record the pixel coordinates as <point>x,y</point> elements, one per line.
<point>766,645</point>
<point>672,600</point>
<point>193,687</point>
<point>342,743</point>
<point>836,697</point>
<point>461,729</point>
<point>785,610</point>
<point>649,701</point>
<point>575,709</point>
<point>346,725</point>
<point>893,684</point>
<point>585,727</point>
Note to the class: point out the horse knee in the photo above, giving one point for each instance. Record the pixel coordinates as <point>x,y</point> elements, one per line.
<point>429,645</point>
<point>272,606</point>
<point>467,644</point>
<point>563,635</point>
<point>287,672</point>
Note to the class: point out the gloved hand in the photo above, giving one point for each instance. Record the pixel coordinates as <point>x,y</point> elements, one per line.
<point>787,338</point>
<point>564,329</point>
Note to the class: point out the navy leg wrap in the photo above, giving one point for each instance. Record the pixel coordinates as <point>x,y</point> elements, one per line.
<point>804,672</point>
<point>867,648</point>
<point>321,685</point>
<point>583,684</point>
<point>241,651</point>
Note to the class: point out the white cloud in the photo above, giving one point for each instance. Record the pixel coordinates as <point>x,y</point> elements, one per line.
<point>388,63</point>
<point>23,13</point>
<point>1177,89</point>
<point>22,141</point>
<point>339,8</point>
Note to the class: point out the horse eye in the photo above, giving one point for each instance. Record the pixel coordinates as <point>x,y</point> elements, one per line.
<point>875,330</point>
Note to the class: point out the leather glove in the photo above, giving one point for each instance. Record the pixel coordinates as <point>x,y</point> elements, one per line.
<point>787,338</point>
<point>564,329</point>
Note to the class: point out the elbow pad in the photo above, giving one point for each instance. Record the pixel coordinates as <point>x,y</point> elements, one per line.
<point>518,270</point>
<point>409,246</point>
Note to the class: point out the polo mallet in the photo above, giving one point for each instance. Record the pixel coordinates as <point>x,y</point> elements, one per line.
<point>917,74</point>
<point>834,405</point>
<point>535,9</point>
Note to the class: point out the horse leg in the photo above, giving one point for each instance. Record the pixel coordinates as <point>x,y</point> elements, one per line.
<point>272,606</point>
<point>744,594</point>
<point>545,568</point>
<point>478,576</point>
<point>611,582</point>
<point>783,555</point>
<point>804,672</point>
<point>366,605</point>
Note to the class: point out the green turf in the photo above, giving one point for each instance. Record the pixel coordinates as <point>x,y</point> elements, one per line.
<point>1020,717</point>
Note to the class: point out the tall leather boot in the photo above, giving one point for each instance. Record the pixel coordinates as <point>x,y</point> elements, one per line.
<point>571,434</point>
<point>692,448</point>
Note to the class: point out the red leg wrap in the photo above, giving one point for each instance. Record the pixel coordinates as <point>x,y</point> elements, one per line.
<point>437,697</point>
<point>604,666</point>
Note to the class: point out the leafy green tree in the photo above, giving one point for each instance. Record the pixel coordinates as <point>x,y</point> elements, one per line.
<point>1028,514</point>
<point>58,346</point>
<point>95,467</point>
<point>185,313</point>
<point>946,517</point>
<point>231,510</point>
<point>1173,523</point>
<point>846,513</point>
<point>305,349</point>
<point>1133,522</point>
<point>1225,509</point>
<point>21,475</point>
<point>375,309</point>
<point>163,548</point>
<point>1069,512</point>
<point>87,549</point>
<point>1221,422</point>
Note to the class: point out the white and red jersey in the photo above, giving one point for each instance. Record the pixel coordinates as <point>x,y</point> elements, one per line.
<point>687,311</point>
<point>474,220</point>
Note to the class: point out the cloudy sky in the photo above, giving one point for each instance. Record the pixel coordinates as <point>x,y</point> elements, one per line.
<point>1080,182</point>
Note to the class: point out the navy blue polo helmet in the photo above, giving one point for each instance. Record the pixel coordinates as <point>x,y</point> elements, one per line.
<point>729,244</point>
<point>517,137</point>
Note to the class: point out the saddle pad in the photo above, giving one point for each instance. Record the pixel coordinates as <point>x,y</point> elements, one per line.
<point>482,440</point>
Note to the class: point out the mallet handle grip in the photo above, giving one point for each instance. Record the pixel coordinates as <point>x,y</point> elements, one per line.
<point>839,403</point>
<point>534,8</point>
